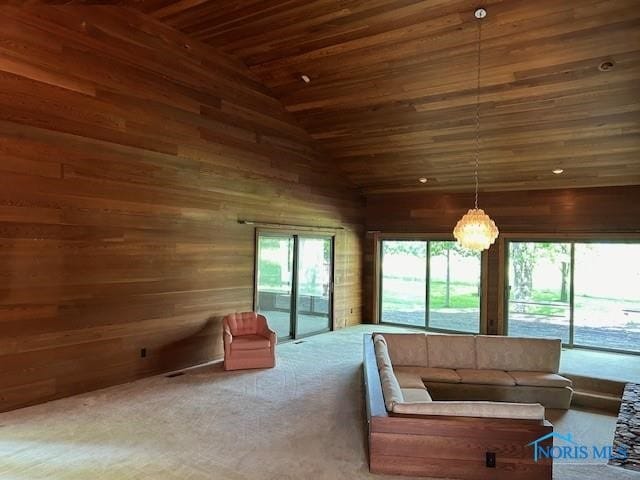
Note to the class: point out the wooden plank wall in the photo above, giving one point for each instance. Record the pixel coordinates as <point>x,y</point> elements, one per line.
<point>128,153</point>
<point>392,91</point>
<point>598,211</point>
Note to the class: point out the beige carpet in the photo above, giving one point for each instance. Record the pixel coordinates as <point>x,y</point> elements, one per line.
<point>302,420</point>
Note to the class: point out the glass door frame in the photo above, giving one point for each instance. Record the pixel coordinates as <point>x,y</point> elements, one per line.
<point>379,237</point>
<point>321,236</point>
<point>293,312</point>
<point>571,239</point>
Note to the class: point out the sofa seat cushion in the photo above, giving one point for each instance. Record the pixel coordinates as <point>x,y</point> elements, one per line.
<point>522,411</point>
<point>443,375</point>
<point>540,379</point>
<point>485,377</point>
<point>250,342</point>
<point>406,349</point>
<point>416,395</point>
<point>408,379</point>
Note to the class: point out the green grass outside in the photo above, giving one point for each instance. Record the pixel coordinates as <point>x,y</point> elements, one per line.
<point>407,294</point>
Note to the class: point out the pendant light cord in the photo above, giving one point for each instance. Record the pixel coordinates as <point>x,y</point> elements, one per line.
<point>478,114</point>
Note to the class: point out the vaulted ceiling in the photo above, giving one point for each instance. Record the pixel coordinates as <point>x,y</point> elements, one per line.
<point>392,86</point>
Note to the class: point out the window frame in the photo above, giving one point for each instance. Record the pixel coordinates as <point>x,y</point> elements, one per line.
<point>425,237</point>
<point>572,239</point>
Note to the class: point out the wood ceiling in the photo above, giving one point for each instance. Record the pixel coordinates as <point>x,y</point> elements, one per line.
<point>393,85</point>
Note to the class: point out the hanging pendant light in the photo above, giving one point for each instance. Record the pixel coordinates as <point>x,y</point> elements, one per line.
<point>475,230</point>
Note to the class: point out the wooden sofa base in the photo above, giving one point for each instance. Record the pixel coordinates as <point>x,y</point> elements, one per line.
<point>448,447</point>
<point>455,447</point>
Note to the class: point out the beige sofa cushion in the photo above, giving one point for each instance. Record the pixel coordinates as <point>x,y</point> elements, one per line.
<point>382,352</point>
<point>444,375</point>
<point>415,395</point>
<point>521,411</point>
<point>538,379</point>
<point>486,377</point>
<point>518,354</point>
<point>451,351</point>
<point>390,388</point>
<point>407,349</point>
<point>408,379</point>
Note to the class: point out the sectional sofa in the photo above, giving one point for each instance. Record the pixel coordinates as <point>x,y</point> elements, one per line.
<point>477,367</point>
<point>461,406</point>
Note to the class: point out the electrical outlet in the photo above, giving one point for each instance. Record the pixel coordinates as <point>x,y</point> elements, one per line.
<point>491,460</point>
<point>143,352</point>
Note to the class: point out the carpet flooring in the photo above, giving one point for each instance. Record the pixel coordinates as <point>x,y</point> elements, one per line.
<point>301,420</point>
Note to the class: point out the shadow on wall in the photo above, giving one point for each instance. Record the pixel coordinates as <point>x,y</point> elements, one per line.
<point>201,346</point>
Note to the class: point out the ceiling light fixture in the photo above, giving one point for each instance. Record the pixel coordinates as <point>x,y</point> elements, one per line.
<point>475,230</point>
<point>305,78</point>
<point>606,66</point>
<point>557,171</point>
<point>422,180</point>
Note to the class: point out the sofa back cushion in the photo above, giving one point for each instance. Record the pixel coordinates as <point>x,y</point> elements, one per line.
<point>407,349</point>
<point>451,351</point>
<point>382,352</point>
<point>518,354</point>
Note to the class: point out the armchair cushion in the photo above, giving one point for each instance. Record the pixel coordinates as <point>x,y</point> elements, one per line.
<point>250,342</point>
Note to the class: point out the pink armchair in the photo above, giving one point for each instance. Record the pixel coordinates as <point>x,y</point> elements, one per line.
<point>248,342</point>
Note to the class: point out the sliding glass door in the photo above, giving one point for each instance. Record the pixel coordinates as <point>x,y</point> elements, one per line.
<point>539,290</point>
<point>313,299</point>
<point>403,282</point>
<point>606,309</point>
<point>454,287</point>
<point>294,275</point>
<point>586,293</point>
<point>274,285</point>
<point>430,284</point>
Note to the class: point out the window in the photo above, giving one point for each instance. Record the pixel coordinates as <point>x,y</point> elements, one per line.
<point>586,293</point>
<point>430,284</point>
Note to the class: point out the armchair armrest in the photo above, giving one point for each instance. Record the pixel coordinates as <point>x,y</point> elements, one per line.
<point>226,335</point>
<point>273,338</point>
<point>268,333</point>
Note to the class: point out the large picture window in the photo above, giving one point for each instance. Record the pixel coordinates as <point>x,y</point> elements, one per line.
<point>586,293</point>
<point>430,284</point>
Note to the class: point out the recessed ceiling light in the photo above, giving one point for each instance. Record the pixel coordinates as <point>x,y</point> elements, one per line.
<point>422,180</point>
<point>305,78</point>
<point>606,66</point>
<point>557,171</point>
